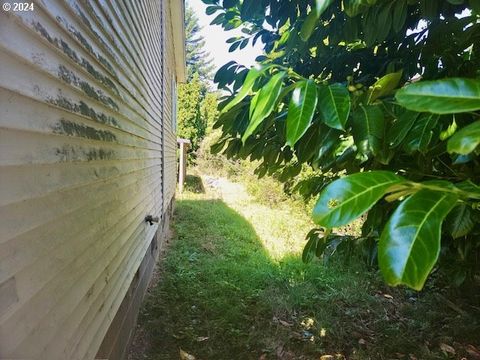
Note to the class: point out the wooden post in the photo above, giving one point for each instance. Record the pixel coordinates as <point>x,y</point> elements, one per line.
<point>182,165</point>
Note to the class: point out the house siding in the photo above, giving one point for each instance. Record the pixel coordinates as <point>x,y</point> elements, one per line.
<point>87,150</point>
<point>170,139</point>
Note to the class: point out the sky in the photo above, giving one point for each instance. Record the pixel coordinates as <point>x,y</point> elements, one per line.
<point>215,40</point>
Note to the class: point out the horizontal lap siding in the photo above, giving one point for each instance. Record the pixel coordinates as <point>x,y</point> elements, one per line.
<point>170,139</point>
<point>81,165</point>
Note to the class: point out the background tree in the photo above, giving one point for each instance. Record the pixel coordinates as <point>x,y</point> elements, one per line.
<point>385,91</point>
<point>198,61</point>
<point>196,106</point>
<point>191,124</point>
<point>209,111</point>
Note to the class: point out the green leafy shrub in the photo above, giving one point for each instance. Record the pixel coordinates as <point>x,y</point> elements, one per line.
<point>380,96</point>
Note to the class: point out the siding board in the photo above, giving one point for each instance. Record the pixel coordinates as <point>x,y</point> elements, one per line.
<point>87,150</point>
<point>170,139</point>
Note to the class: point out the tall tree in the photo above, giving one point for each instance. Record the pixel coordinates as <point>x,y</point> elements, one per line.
<point>198,60</point>
<point>191,125</point>
<point>209,111</point>
<point>196,106</point>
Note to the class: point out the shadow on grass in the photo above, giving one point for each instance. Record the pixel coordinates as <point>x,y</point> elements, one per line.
<point>221,296</point>
<point>194,184</point>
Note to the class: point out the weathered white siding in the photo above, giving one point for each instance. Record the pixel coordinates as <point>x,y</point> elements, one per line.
<point>170,139</point>
<point>87,150</point>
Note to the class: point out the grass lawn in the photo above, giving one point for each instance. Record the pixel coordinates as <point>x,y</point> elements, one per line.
<point>232,286</point>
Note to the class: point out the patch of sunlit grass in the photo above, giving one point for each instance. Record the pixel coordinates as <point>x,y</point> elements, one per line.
<point>280,229</point>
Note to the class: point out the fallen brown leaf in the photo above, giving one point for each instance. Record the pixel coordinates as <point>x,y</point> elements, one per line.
<point>285,323</point>
<point>473,351</point>
<point>447,348</point>
<point>186,356</point>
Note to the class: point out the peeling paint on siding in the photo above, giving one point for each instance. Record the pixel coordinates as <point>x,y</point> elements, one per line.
<point>62,45</point>
<point>69,153</point>
<point>91,151</point>
<point>84,109</point>
<point>69,77</point>
<point>74,129</point>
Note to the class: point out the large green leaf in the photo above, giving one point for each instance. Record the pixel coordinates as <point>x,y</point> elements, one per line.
<point>368,129</point>
<point>327,142</point>
<point>218,146</point>
<point>305,148</point>
<point>334,105</point>
<point>212,9</point>
<point>421,134</point>
<point>300,110</point>
<point>410,242</point>
<point>465,140</point>
<point>444,96</point>
<point>383,21</point>
<point>250,9</point>
<point>263,103</point>
<point>225,73</point>
<point>315,240</point>
<point>399,15</point>
<point>247,86</point>
<point>312,18</point>
<point>371,26</point>
<point>309,249</point>
<point>355,7</point>
<point>460,221</point>
<point>347,198</point>
<point>471,188</point>
<point>400,128</point>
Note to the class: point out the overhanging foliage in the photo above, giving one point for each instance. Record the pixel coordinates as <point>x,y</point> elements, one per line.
<point>386,91</point>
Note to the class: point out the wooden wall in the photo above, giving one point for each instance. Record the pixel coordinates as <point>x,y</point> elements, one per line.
<point>87,150</point>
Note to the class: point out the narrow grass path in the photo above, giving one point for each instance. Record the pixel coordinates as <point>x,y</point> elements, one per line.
<point>232,286</point>
<point>280,230</point>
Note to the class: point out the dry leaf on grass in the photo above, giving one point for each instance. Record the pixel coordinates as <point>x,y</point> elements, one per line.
<point>285,323</point>
<point>186,356</point>
<point>447,348</point>
<point>473,351</point>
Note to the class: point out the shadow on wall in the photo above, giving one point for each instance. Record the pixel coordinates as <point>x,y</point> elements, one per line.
<point>221,296</point>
